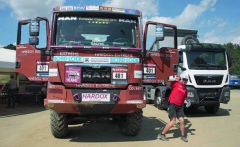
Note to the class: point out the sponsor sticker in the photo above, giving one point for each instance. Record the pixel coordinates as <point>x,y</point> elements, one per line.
<point>96,60</point>
<point>124,60</point>
<point>68,58</point>
<point>92,7</point>
<point>53,72</point>
<point>73,74</point>
<point>96,97</point>
<point>137,74</point>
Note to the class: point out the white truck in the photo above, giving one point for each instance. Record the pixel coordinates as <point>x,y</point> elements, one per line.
<point>207,66</point>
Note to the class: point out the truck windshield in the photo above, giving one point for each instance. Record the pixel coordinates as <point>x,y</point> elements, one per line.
<point>206,60</point>
<point>96,31</point>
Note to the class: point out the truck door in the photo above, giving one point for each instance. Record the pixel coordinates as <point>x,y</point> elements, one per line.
<point>30,61</point>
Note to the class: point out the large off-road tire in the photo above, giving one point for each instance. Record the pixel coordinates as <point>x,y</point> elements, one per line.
<point>131,124</point>
<point>212,109</point>
<point>59,124</point>
<point>189,39</point>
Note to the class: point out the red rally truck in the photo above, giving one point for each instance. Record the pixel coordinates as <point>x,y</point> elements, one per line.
<point>97,75</point>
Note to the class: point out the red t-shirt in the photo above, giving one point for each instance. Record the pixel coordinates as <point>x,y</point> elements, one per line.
<point>178,94</point>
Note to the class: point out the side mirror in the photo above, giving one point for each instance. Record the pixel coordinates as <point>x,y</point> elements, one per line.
<point>159,32</point>
<point>175,67</point>
<point>34,27</point>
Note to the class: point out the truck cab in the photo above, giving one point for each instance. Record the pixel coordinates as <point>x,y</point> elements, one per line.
<point>207,66</point>
<point>92,58</point>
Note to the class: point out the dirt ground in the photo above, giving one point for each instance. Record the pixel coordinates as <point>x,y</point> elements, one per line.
<point>29,125</point>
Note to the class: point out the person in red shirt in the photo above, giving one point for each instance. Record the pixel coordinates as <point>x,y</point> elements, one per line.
<point>175,109</point>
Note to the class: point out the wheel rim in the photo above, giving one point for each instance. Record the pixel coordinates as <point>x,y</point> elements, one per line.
<point>159,100</point>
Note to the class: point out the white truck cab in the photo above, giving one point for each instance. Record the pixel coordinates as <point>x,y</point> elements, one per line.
<point>207,66</point>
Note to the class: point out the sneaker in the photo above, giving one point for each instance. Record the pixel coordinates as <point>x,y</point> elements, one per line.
<point>162,137</point>
<point>184,139</point>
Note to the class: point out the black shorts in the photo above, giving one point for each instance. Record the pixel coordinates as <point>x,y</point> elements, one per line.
<point>175,111</point>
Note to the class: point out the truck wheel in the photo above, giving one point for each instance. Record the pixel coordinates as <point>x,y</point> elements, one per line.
<point>158,101</point>
<point>131,124</point>
<point>212,109</point>
<point>189,39</point>
<point>59,124</point>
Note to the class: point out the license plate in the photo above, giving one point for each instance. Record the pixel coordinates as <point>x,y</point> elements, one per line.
<point>96,97</point>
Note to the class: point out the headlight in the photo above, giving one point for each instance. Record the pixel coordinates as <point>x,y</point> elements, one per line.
<point>226,94</point>
<point>190,94</point>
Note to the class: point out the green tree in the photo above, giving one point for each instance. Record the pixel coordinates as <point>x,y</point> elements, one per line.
<point>234,51</point>
<point>10,46</point>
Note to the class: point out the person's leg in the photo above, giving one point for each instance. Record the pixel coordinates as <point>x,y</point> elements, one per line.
<point>13,99</point>
<point>182,126</point>
<point>169,125</point>
<point>8,99</point>
<point>180,116</point>
<point>172,116</point>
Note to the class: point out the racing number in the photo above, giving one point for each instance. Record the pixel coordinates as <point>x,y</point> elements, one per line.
<point>149,70</point>
<point>117,75</point>
<point>42,68</point>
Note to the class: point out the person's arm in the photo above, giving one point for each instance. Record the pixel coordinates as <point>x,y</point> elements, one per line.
<point>172,80</point>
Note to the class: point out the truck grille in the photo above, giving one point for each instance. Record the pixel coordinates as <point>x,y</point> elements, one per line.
<point>208,79</point>
<point>96,75</point>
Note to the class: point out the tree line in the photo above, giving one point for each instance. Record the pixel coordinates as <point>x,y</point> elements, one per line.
<point>232,49</point>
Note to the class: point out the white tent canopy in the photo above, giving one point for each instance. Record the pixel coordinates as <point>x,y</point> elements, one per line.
<point>7,60</point>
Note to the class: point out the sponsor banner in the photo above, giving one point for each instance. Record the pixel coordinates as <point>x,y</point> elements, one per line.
<point>137,74</point>
<point>149,76</point>
<point>73,74</point>
<point>96,60</point>
<point>131,11</point>
<point>124,60</point>
<point>96,97</point>
<point>68,58</point>
<point>79,8</point>
<point>105,8</point>
<point>118,10</point>
<point>42,74</point>
<point>65,8</point>
<point>92,7</point>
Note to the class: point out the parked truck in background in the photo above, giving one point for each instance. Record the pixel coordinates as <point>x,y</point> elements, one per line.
<point>156,71</point>
<point>234,81</point>
<point>207,66</point>
<point>98,76</point>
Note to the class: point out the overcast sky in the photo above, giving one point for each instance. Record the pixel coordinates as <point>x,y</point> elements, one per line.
<point>217,21</point>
